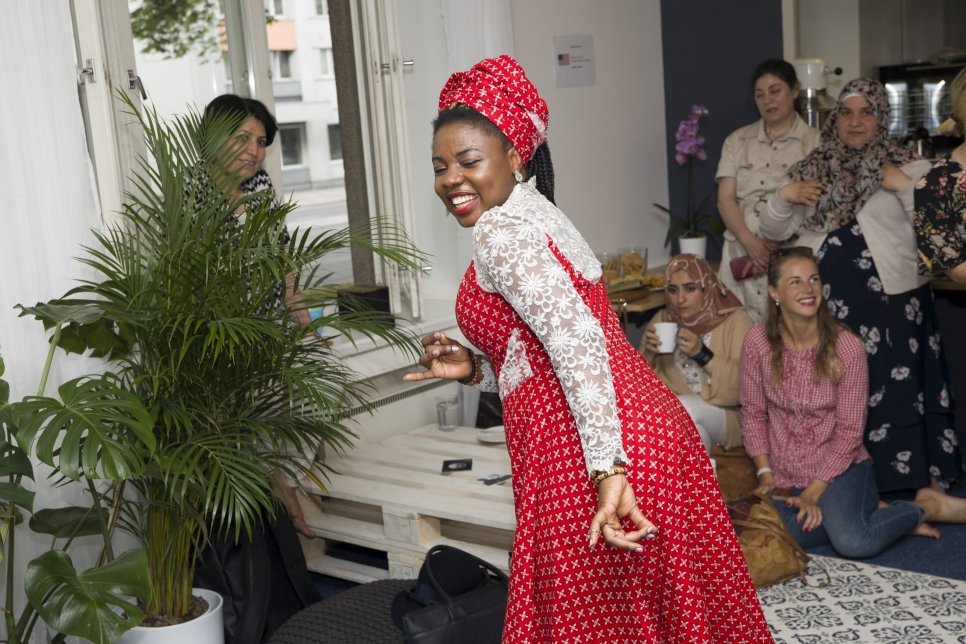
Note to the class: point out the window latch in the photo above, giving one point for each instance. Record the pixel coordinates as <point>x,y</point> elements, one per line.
<point>87,73</point>
<point>134,82</point>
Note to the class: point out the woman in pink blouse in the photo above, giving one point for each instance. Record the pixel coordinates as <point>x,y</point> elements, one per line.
<point>804,391</point>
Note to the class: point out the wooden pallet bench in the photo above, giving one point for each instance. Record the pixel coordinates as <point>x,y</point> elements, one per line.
<point>393,497</point>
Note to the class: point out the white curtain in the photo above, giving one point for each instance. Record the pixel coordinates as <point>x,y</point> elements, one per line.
<point>476,29</point>
<point>49,202</point>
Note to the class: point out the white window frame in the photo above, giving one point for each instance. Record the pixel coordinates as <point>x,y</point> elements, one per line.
<point>105,35</point>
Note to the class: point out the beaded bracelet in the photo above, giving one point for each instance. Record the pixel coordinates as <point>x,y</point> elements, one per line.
<point>600,475</point>
<point>475,369</point>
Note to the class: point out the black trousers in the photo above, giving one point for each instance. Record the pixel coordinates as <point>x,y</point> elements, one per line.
<point>263,580</point>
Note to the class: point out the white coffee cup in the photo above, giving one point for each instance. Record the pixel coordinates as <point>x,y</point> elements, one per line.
<point>667,336</point>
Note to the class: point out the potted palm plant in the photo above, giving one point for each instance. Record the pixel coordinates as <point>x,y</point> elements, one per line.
<point>186,307</point>
<point>691,227</point>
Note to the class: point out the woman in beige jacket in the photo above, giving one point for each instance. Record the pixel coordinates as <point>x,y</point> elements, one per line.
<point>703,369</point>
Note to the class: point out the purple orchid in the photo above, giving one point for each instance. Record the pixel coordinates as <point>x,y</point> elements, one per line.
<point>688,148</point>
<point>689,141</point>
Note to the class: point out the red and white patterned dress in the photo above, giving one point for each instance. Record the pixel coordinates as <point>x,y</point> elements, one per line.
<point>576,395</point>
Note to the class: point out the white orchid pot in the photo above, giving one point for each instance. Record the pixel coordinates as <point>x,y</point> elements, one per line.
<point>207,629</point>
<point>693,245</point>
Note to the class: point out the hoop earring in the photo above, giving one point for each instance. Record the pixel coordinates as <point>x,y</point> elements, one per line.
<point>518,176</point>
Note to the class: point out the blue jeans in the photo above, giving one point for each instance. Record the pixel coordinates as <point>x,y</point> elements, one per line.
<point>851,519</point>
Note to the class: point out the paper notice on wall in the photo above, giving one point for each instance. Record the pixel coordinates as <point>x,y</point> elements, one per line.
<point>575,62</point>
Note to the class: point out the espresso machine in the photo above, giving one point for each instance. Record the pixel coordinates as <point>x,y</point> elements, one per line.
<point>813,102</point>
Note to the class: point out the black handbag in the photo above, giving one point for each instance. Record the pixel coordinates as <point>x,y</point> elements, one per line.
<point>457,598</point>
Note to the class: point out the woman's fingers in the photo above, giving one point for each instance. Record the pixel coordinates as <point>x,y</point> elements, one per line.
<point>438,351</point>
<point>607,527</point>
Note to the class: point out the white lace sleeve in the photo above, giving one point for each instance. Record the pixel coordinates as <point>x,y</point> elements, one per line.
<point>514,259</point>
<point>488,380</point>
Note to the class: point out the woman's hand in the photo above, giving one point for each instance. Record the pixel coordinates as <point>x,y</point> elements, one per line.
<point>651,341</point>
<point>290,495</point>
<point>766,484</point>
<point>759,250</point>
<point>894,179</point>
<point>295,303</point>
<point>443,358</point>
<point>616,501</point>
<point>805,193</point>
<point>809,513</point>
<point>689,342</point>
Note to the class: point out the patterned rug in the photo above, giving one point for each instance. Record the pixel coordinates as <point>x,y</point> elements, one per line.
<point>867,604</point>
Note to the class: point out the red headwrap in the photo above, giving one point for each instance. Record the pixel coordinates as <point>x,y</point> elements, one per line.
<point>498,89</point>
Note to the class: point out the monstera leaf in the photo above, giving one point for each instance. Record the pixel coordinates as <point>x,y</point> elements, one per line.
<point>96,604</point>
<point>96,429</point>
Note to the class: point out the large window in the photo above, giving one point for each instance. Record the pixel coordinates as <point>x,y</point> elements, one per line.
<point>307,162</point>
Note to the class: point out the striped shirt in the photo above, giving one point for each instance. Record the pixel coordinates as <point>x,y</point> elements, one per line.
<point>808,430</point>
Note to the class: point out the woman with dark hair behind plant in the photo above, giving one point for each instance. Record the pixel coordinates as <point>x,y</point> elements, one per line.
<point>264,579</point>
<point>804,385</point>
<point>754,161</point>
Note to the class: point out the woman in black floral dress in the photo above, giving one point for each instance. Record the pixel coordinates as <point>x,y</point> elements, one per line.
<point>851,201</point>
<point>940,218</point>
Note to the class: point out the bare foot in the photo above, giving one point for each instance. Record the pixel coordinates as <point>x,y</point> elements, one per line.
<point>926,530</point>
<point>941,507</point>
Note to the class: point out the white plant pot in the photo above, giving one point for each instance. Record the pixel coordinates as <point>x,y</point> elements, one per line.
<point>693,245</point>
<point>207,629</point>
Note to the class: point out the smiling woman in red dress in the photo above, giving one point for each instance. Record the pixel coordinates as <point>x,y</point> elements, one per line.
<point>622,535</point>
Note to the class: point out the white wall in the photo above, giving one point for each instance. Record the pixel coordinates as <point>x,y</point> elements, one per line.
<point>607,140</point>
<point>829,29</point>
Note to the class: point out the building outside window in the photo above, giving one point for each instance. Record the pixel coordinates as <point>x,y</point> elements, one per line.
<point>335,141</point>
<point>291,136</point>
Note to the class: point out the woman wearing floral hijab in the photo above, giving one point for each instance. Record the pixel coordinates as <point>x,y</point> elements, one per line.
<point>703,370</point>
<point>851,201</point>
